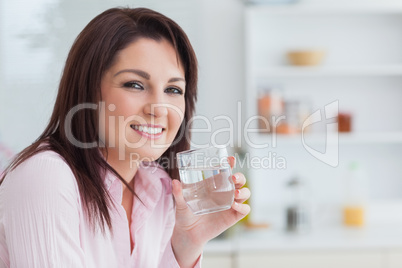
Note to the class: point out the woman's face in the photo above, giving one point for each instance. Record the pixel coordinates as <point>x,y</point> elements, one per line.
<point>143,92</point>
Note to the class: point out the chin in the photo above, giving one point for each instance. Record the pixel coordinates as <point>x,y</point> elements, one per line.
<point>146,154</point>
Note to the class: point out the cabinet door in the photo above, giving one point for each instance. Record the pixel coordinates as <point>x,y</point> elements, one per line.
<point>311,260</point>
<point>216,261</point>
<point>394,259</point>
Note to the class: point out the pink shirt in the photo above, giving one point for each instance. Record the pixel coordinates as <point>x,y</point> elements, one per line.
<point>42,222</point>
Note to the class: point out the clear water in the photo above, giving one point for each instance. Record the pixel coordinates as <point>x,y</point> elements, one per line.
<point>207,190</point>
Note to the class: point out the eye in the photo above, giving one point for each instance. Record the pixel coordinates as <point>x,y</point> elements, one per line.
<point>174,90</point>
<point>133,85</point>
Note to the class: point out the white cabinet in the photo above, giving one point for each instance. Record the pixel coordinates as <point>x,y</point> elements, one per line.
<point>373,258</point>
<point>381,249</point>
<point>362,71</point>
<point>306,259</point>
<point>394,259</point>
<point>311,260</point>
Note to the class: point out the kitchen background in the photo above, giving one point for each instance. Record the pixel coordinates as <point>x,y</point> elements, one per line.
<point>305,213</point>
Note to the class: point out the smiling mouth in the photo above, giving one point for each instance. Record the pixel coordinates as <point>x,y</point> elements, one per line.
<point>147,129</point>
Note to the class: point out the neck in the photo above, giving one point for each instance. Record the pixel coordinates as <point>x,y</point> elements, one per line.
<point>126,168</point>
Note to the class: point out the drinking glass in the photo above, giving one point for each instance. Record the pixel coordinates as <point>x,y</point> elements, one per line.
<point>206,179</point>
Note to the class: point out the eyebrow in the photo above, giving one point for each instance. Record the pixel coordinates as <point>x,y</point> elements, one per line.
<point>176,79</point>
<point>139,72</point>
<point>147,75</point>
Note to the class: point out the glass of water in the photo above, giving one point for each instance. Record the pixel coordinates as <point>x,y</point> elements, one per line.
<point>206,179</point>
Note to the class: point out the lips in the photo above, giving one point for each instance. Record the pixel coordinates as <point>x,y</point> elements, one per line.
<point>148,129</point>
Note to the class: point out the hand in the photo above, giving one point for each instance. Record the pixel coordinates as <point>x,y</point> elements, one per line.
<point>192,232</point>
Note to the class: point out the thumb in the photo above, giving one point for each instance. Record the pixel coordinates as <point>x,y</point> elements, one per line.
<point>178,195</point>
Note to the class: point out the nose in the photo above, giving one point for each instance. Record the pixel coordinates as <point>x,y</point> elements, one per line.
<point>156,108</point>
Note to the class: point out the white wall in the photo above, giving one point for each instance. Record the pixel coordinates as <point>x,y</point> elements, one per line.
<point>221,68</point>
<point>36,36</point>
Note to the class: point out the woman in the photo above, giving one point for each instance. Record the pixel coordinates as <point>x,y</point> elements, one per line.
<point>81,195</point>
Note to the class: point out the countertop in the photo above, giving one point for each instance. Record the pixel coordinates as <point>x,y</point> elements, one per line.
<point>381,232</point>
<point>331,238</point>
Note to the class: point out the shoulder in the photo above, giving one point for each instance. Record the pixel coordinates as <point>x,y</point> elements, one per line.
<point>45,173</point>
<point>44,157</point>
<point>41,166</point>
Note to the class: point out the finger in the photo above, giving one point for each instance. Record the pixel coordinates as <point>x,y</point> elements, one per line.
<point>239,180</point>
<point>241,209</point>
<point>178,195</point>
<point>242,195</point>
<point>232,161</point>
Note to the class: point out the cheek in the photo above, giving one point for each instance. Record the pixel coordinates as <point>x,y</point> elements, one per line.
<point>124,110</point>
<point>107,124</point>
<point>176,116</point>
<point>114,119</point>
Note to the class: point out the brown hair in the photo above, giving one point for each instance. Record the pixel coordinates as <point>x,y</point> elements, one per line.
<point>92,53</point>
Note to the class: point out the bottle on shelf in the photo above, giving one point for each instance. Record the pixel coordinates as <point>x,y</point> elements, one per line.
<point>270,107</point>
<point>356,190</point>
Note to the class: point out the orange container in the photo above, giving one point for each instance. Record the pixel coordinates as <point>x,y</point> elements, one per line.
<point>353,216</point>
<point>270,104</point>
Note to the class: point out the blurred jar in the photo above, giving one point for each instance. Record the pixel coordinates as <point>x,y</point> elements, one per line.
<point>356,190</point>
<point>299,206</point>
<point>296,111</point>
<point>270,108</point>
<point>344,122</point>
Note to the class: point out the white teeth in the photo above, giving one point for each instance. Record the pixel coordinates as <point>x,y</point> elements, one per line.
<point>149,130</point>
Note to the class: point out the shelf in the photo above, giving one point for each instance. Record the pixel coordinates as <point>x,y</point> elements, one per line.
<point>381,7</point>
<point>328,71</point>
<point>320,138</point>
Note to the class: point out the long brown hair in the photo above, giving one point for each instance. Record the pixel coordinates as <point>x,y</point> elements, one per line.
<point>92,53</point>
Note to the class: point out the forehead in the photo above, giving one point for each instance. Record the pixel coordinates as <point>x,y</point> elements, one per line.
<point>148,53</point>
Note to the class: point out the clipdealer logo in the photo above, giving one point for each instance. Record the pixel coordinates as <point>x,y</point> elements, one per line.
<point>326,115</point>
<point>331,154</point>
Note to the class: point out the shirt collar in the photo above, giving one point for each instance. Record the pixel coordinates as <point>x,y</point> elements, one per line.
<point>149,180</point>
